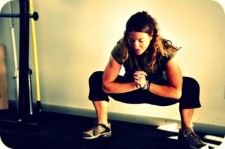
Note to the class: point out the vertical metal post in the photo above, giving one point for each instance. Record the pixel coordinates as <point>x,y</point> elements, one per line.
<point>23,108</point>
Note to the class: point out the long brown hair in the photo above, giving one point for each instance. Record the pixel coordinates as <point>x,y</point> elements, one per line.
<point>143,22</point>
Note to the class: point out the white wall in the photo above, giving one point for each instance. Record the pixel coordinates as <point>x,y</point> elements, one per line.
<point>75,37</point>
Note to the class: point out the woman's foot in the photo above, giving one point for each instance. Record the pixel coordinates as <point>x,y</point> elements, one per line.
<point>98,130</point>
<point>188,137</point>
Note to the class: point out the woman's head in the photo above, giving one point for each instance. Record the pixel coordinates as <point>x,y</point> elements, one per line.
<point>142,35</point>
<point>141,22</point>
<point>141,28</point>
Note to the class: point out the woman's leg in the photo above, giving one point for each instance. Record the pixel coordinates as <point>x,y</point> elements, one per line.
<point>100,101</point>
<point>186,118</point>
<point>101,127</point>
<point>99,98</point>
<point>189,101</point>
<point>101,108</point>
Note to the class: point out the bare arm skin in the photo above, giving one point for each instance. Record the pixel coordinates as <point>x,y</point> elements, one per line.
<point>111,72</point>
<point>174,76</point>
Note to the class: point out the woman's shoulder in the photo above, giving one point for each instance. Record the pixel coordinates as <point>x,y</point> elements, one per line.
<point>118,47</point>
<point>118,52</point>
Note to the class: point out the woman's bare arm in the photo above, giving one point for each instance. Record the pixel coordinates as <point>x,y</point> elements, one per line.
<point>110,74</point>
<point>174,76</point>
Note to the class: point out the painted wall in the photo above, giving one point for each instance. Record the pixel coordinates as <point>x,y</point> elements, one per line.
<point>75,38</point>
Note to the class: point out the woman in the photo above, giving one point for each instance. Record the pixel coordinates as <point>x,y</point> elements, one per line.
<point>152,76</point>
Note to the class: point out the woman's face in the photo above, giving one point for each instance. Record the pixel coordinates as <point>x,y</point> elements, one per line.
<point>139,41</point>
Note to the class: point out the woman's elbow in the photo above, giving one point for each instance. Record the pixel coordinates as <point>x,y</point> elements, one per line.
<point>105,88</point>
<point>177,94</point>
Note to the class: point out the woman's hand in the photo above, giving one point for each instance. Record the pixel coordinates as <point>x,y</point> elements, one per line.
<point>140,78</point>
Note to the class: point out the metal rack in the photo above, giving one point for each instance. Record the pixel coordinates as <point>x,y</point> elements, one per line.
<point>23,108</point>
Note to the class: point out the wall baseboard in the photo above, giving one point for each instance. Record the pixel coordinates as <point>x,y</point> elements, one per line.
<point>146,120</point>
<point>153,121</point>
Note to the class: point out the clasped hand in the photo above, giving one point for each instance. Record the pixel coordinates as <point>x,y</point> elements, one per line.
<point>140,78</point>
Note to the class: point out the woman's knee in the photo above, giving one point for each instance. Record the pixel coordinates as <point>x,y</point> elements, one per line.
<point>190,93</point>
<point>95,76</point>
<point>95,87</point>
<point>191,84</point>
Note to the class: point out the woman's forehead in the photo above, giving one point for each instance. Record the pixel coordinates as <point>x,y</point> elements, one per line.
<point>137,35</point>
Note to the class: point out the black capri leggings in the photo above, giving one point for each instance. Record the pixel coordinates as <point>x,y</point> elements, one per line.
<point>188,100</point>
